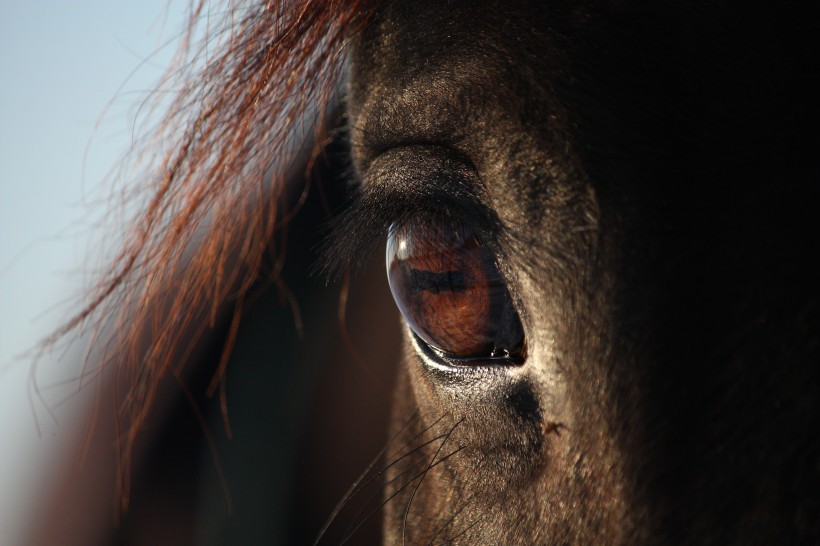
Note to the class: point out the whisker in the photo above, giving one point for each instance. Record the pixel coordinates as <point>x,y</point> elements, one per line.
<point>448,522</point>
<point>391,497</point>
<point>461,533</point>
<point>354,489</point>
<point>358,486</point>
<point>396,478</point>
<point>414,438</point>
<point>379,492</point>
<point>418,485</point>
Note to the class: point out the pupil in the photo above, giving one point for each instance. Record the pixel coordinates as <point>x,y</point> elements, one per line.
<point>452,281</point>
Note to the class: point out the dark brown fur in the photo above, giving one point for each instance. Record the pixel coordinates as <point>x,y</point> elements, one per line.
<point>653,170</point>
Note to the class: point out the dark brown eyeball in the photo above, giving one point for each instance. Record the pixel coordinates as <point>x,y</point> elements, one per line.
<point>450,292</point>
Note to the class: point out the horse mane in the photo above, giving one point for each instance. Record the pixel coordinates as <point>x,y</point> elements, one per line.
<point>210,178</point>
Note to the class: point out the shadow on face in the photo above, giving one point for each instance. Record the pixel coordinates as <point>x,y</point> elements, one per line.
<point>643,176</point>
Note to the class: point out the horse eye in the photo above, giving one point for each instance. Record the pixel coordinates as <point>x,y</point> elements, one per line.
<point>450,292</point>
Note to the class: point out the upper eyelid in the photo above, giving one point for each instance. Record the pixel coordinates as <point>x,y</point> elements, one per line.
<point>422,161</point>
<point>406,184</point>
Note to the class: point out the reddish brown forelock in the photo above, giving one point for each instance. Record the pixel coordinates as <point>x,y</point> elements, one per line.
<point>210,210</point>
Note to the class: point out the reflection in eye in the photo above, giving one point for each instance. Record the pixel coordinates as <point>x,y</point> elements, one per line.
<point>450,292</point>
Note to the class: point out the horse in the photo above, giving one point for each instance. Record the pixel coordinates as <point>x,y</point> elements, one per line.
<point>599,220</point>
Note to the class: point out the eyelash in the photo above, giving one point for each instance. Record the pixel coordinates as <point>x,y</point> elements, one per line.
<point>362,225</point>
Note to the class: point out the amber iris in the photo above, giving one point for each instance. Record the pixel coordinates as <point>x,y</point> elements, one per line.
<point>451,293</point>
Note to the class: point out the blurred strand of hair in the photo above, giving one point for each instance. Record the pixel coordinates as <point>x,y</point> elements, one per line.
<point>251,95</point>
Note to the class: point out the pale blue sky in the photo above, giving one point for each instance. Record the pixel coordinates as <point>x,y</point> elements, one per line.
<point>61,62</point>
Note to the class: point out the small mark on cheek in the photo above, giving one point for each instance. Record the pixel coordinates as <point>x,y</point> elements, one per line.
<point>552,427</point>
